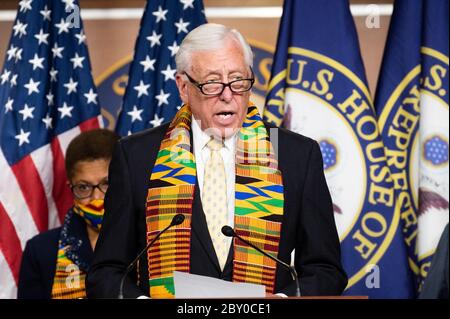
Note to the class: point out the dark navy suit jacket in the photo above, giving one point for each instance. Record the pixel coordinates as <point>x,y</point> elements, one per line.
<point>436,284</point>
<point>38,266</point>
<point>308,224</point>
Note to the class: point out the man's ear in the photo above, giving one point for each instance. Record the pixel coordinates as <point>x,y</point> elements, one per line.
<point>182,88</point>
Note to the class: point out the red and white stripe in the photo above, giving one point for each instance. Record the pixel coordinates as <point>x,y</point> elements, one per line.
<point>34,197</point>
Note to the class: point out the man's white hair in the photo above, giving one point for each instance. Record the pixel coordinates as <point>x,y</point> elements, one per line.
<point>207,37</point>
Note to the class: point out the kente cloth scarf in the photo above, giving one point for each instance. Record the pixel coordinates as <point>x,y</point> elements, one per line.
<point>70,274</point>
<point>92,213</point>
<point>259,203</point>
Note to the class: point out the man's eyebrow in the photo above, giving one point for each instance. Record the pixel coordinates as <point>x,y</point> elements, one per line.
<point>213,72</point>
<point>218,73</point>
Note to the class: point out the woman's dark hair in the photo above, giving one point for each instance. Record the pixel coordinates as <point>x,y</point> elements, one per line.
<point>90,146</point>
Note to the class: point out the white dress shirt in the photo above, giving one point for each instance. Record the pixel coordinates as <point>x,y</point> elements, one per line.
<point>202,153</point>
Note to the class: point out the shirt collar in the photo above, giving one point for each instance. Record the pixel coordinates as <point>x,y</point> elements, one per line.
<point>202,138</point>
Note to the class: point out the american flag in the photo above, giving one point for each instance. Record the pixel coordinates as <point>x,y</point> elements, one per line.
<point>151,97</point>
<point>47,97</point>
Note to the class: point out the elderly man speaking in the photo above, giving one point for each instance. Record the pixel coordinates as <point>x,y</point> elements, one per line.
<point>217,163</point>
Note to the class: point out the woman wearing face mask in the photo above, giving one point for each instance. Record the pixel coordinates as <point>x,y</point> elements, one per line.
<point>55,263</point>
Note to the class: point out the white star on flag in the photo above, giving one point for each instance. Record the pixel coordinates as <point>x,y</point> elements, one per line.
<point>13,80</point>
<point>36,62</point>
<point>69,5</point>
<point>5,76</point>
<point>8,105</point>
<point>173,48</point>
<point>91,97</point>
<point>48,122</point>
<point>19,54</point>
<point>25,5</point>
<point>46,13</point>
<point>57,51</point>
<point>162,98</point>
<point>11,52</point>
<point>156,121</point>
<point>169,73</point>
<point>154,39</point>
<point>32,86</point>
<point>62,26</point>
<point>53,74</point>
<point>65,110</point>
<point>77,61</point>
<point>42,37</point>
<point>148,64</point>
<point>27,112</point>
<point>81,37</point>
<point>20,29</point>
<point>23,137</point>
<point>182,26</point>
<point>187,4</point>
<point>71,86</point>
<point>135,114</point>
<point>50,97</point>
<point>142,88</point>
<point>160,14</point>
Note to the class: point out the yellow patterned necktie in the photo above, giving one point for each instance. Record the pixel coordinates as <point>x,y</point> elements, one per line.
<point>214,200</point>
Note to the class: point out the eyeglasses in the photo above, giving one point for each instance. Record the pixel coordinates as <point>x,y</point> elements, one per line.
<point>216,88</point>
<point>84,190</point>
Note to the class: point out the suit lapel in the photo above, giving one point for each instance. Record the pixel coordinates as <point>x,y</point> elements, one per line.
<point>228,269</point>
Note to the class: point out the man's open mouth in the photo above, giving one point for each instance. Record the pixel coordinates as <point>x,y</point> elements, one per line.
<point>225,115</point>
